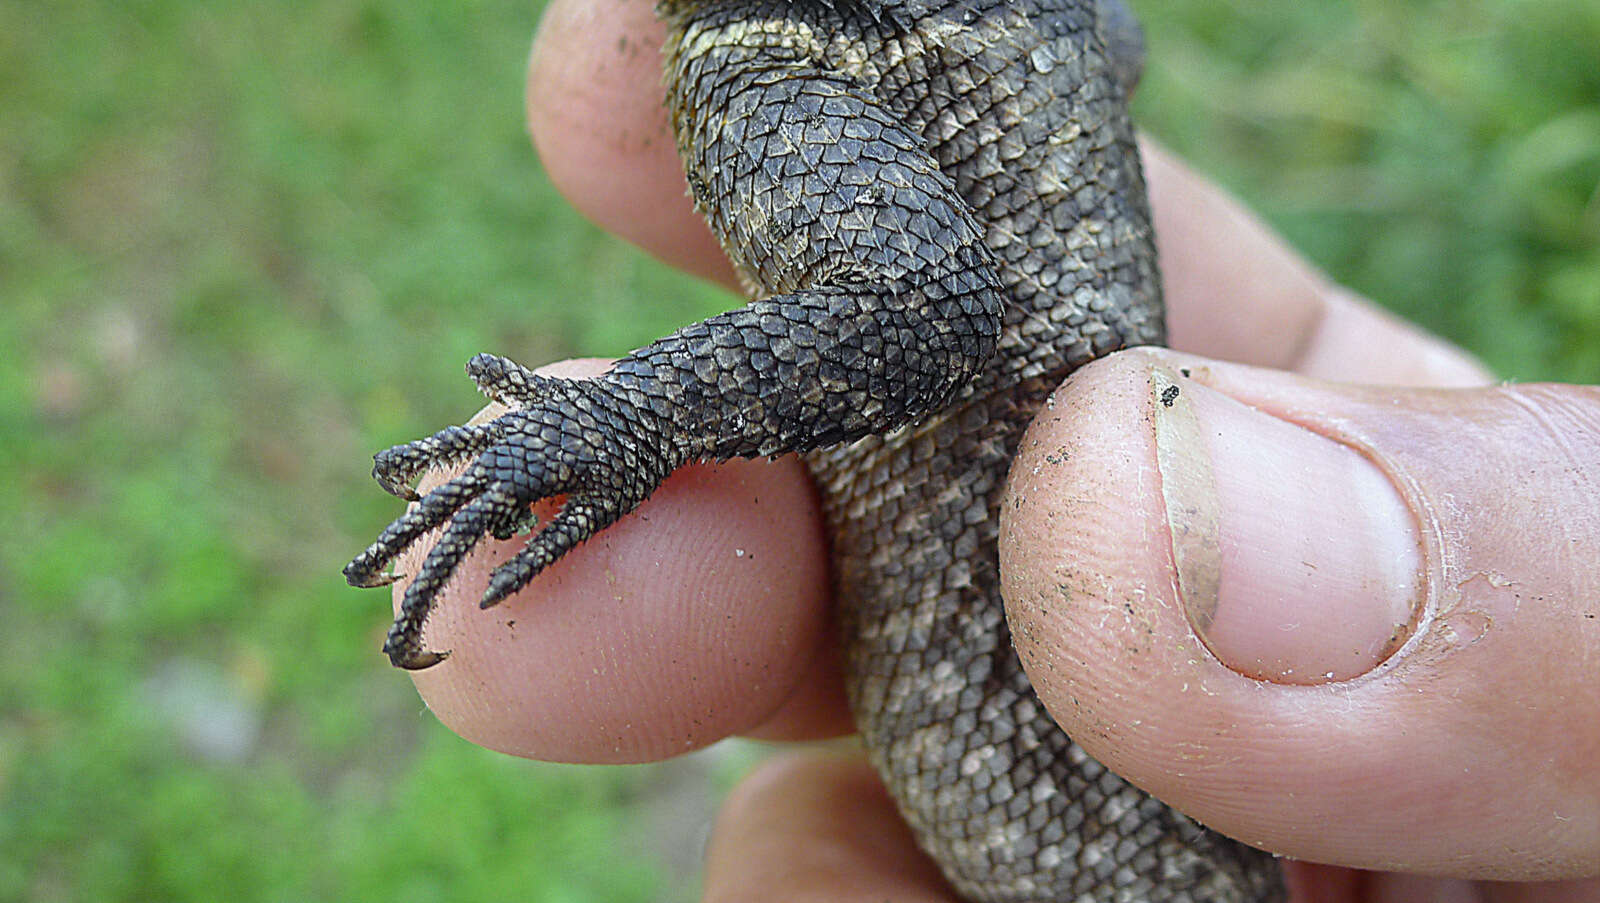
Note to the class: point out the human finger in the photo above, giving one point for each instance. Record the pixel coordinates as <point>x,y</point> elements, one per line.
<point>818,827</point>
<point>1238,292</point>
<point>1316,616</point>
<point>594,106</point>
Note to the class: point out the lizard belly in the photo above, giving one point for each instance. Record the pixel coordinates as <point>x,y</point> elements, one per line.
<point>996,792</point>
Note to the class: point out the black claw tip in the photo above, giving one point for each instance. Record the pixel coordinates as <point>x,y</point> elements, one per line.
<point>502,583</point>
<point>414,660</point>
<point>358,575</point>
<point>499,589</point>
<point>393,486</point>
<point>421,661</point>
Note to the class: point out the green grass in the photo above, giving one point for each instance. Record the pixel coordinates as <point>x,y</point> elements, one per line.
<point>243,245</point>
<point>1441,157</point>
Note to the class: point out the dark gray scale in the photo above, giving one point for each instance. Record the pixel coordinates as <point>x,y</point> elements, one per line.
<point>939,209</point>
<point>1013,104</point>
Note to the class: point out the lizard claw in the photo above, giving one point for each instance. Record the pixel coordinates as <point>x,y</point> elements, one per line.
<point>413,661</point>
<point>576,438</point>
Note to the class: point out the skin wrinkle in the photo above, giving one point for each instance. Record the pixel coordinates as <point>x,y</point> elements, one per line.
<point>1537,416</point>
<point>1313,327</point>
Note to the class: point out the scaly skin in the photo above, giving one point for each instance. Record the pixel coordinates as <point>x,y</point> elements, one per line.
<point>939,208</point>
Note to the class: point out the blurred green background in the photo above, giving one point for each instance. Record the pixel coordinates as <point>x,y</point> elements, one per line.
<point>244,245</point>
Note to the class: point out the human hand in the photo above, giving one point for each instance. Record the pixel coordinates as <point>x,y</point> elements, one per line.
<point>706,614</point>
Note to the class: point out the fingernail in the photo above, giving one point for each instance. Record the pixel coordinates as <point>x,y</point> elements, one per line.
<point>1297,559</point>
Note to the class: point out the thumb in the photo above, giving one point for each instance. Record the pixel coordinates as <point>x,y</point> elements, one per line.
<point>1357,625</point>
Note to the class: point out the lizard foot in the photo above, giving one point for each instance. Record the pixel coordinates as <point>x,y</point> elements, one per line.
<point>577,438</point>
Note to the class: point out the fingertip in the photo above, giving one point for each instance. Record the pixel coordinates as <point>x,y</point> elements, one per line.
<point>1234,290</point>
<point>595,114</point>
<point>1478,726</point>
<point>1090,589</point>
<point>816,827</point>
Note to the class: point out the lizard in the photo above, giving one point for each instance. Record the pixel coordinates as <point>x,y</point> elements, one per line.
<point>938,209</point>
